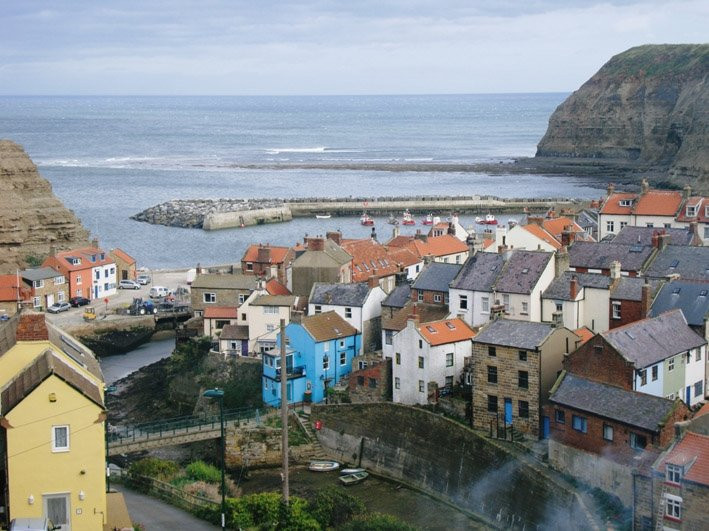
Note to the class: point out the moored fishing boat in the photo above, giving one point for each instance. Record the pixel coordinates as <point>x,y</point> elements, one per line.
<point>353,479</point>
<point>408,219</point>
<point>346,471</point>
<point>366,220</point>
<point>323,466</point>
<point>489,220</point>
<point>428,220</point>
<point>323,215</point>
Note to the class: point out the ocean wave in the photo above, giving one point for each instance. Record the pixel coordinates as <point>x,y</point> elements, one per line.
<point>319,149</point>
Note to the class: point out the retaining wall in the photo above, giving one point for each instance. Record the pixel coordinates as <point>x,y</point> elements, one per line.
<point>245,218</point>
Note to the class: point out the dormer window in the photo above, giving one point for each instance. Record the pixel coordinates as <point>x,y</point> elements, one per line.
<point>691,211</point>
<point>674,473</point>
<point>625,202</point>
<point>75,261</point>
<point>706,211</point>
<point>103,256</point>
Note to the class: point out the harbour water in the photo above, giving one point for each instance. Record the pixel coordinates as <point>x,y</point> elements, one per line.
<point>116,367</point>
<point>110,157</point>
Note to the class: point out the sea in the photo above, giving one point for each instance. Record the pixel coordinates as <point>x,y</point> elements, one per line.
<point>108,158</point>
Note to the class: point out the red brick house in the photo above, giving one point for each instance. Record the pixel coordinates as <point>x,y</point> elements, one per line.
<point>432,284</point>
<point>267,261</point>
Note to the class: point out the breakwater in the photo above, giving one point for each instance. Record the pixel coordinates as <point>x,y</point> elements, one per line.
<point>213,214</point>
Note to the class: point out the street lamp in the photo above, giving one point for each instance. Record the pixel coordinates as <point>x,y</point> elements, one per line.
<point>219,395</point>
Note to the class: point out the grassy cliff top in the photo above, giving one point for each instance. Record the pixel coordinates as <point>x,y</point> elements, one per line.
<point>652,60</point>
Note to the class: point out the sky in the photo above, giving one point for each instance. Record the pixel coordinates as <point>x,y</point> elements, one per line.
<point>271,47</point>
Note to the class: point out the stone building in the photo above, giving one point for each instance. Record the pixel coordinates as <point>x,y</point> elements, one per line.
<point>515,364</point>
<point>125,264</point>
<point>268,261</point>
<point>221,290</point>
<point>321,261</point>
<point>370,380</point>
<point>46,286</point>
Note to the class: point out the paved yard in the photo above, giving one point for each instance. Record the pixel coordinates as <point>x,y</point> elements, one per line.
<point>156,515</point>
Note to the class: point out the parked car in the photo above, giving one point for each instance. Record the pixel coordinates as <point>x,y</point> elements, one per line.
<point>32,524</point>
<point>143,279</point>
<point>128,284</point>
<point>59,307</point>
<point>79,301</point>
<point>157,292</point>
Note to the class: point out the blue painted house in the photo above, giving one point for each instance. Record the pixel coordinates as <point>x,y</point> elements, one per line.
<point>319,352</point>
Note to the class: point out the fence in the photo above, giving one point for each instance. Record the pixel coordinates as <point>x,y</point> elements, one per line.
<point>175,495</point>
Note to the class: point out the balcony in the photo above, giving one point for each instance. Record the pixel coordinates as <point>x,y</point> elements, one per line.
<point>293,372</point>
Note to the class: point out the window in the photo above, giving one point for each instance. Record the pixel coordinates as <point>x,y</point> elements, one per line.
<point>420,343</point>
<point>639,442</point>
<point>36,302</point>
<point>607,432</point>
<point>105,273</point>
<point>78,279</point>
<point>671,364</point>
<point>421,386</point>
<point>649,225</point>
<point>60,438</point>
<point>559,306</point>
<point>362,365</point>
<point>249,266</point>
<point>560,416</point>
<point>623,224</point>
<point>674,473</point>
<point>242,298</point>
<point>449,359</point>
<point>522,355</point>
<point>348,313</point>
<point>105,286</point>
<point>325,362</point>
<point>360,380</point>
<point>492,403</point>
<point>491,374</point>
<point>485,304</point>
<point>463,304</point>
<point>420,296</point>
<point>38,283</point>
<point>58,281</point>
<point>625,202</point>
<point>98,274</point>
<point>317,308</point>
<point>610,226</point>
<point>437,298</point>
<point>654,373</point>
<point>269,327</point>
<point>615,305</point>
<point>699,354</point>
<point>449,381</point>
<point>398,358</point>
<point>523,409</point>
<point>420,362</point>
<point>579,423</point>
<point>525,308</point>
<point>270,309</point>
<point>209,297</point>
<point>341,343</point>
<point>643,377</point>
<point>343,358</point>
<point>523,379</point>
<point>698,389</point>
<point>397,383</point>
<point>673,506</point>
<point>243,316</point>
<point>60,296</point>
<point>388,337</point>
<point>372,383</point>
<point>491,351</point>
<point>457,259</point>
<point>691,211</point>
<point>506,301</point>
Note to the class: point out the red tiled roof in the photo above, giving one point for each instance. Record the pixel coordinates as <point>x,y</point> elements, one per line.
<point>612,203</point>
<point>446,331</point>
<point>584,333</point>
<point>400,241</point>
<point>8,289</point>
<point>438,246</point>
<point>556,226</point>
<point>703,411</point>
<point>692,452</point>
<point>276,288</point>
<point>120,253</point>
<point>542,234</point>
<point>403,256</point>
<point>369,258</point>
<point>701,203</point>
<point>488,242</point>
<point>8,281</point>
<point>85,254</point>
<point>220,312</point>
<point>658,203</point>
<point>278,254</point>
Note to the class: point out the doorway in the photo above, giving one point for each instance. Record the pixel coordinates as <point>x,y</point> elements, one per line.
<point>56,508</point>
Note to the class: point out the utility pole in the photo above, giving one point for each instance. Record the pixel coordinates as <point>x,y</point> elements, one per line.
<point>284,411</point>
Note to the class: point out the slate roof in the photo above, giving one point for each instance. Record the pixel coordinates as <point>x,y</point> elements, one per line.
<point>436,276</point>
<point>587,219</point>
<point>354,294</point>
<point>327,326</point>
<point>690,263</point>
<point>40,273</point>
<point>559,289</point>
<point>76,350</point>
<point>399,296</point>
<point>692,298</point>
<point>44,366</point>
<point>225,281</point>
<point>521,271</point>
<point>648,341</point>
<point>631,288</point>
<point>331,254</point>
<point>426,313</point>
<point>234,332</point>
<point>274,300</point>
<point>512,333</point>
<point>615,403</point>
<point>643,235</point>
<point>692,452</point>
<point>594,255</point>
<point>479,272</point>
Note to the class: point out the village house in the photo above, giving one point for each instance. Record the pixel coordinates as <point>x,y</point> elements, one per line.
<point>320,351</point>
<point>690,297</point>
<point>46,286</point>
<point>644,236</point>
<point>13,292</point>
<point>394,320</point>
<point>264,317</point>
<point>125,264</point>
<point>370,380</point>
<point>515,365</point>
<point>225,290</point>
<point>660,356</point>
<point>452,226</point>
<point>234,341</point>
<point>52,423</point>
<point>600,433</point>
<point>446,248</point>
<point>428,357</point>
<point>630,300</point>
<point>695,213</point>
<point>591,257</point>
<point>90,271</point>
<point>214,318</point>
<point>360,304</point>
<point>323,260</point>
<point>473,285</point>
<point>541,234</point>
<point>432,284</point>
<point>587,219</point>
<point>268,261</point>
<point>681,262</point>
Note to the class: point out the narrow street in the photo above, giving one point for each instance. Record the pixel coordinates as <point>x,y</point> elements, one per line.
<point>156,515</point>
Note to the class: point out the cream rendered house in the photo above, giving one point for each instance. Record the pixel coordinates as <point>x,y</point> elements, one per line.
<point>264,316</point>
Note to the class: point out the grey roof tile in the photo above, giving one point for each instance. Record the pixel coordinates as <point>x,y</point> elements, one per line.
<point>654,339</point>
<point>225,281</point>
<point>692,298</point>
<point>234,332</point>
<point>512,333</point>
<point>479,272</point>
<point>600,255</point>
<point>631,288</point>
<point>690,263</point>
<point>339,294</point>
<point>559,289</point>
<point>522,271</point>
<point>399,296</point>
<point>40,273</point>
<point>436,276</point>
<point>274,300</point>
<point>643,235</point>
<point>629,407</point>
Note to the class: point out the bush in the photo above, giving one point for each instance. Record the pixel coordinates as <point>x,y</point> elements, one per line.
<point>201,471</point>
<point>332,507</point>
<point>377,522</point>
<point>154,467</point>
<point>265,511</point>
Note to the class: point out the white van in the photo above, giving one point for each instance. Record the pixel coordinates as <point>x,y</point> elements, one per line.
<point>157,292</point>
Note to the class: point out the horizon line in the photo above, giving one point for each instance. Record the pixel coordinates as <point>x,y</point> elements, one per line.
<point>247,95</point>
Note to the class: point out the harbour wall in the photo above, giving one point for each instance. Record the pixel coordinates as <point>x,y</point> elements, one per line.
<point>449,461</point>
<point>246,218</point>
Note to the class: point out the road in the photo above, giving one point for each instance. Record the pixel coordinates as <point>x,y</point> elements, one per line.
<point>156,515</point>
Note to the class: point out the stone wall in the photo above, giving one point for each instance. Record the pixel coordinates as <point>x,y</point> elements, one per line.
<point>473,472</point>
<point>245,218</point>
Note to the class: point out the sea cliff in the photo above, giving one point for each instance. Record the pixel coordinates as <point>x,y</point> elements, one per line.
<point>647,109</point>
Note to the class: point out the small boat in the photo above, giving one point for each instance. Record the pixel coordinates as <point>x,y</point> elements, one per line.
<point>428,220</point>
<point>353,479</point>
<point>479,220</point>
<point>347,471</point>
<point>323,466</point>
<point>393,221</point>
<point>323,216</point>
<point>489,220</point>
<point>512,222</point>
<point>366,220</point>
<point>408,219</point>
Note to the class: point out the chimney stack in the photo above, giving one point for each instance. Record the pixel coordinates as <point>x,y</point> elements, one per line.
<point>94,243</point>
<point>497,310</point>
<point>31,327</point>
<point>573,288</point>
<point>696,238</point>
<point>611,189</point>
<point>561,262</point>
<point>374,235</point>
<point>644,186</point>
<point>687,192</point>
<point>335,236</point>
<point>470,241</point>
<point>414,316</point>
<point>264,254</point>
<point>451,228</point>
<point>663,239</point>
<point>395,232</point>
<point>372,282</point>
<point>615,269</point>
<point>315,244</point>
<point>567,236</point>
<point>645,300</point>
<point>535,220</point>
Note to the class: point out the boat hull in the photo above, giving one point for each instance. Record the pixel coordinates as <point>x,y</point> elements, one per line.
<point>353,479</point>
<point>323,466</point>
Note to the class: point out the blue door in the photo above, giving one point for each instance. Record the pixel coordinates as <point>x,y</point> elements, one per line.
<point>545,427</point>
<point>508,411</point>
<point>689,394</point>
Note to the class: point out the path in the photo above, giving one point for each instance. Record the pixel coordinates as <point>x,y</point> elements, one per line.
<point>156,515</point>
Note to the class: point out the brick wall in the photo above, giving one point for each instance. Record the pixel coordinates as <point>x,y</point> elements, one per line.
<point>371,384</point>
<point>599,361</point>
<point>508,366</point>
<point>630,311</point>
<point>429,297</point>
<point>32,327</point>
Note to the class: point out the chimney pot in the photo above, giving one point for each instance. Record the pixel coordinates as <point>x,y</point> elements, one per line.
<point>573,287</point>
<point>644,186</point>
<point>645,299</point>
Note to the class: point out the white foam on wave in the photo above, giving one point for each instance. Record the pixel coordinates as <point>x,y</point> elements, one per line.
<point>318,149</point>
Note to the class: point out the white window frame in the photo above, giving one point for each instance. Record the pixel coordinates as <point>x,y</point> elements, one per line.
<point>59,280</point>
<point>60,296</point>
<point>610,226</point>
<point>397,383</point>
<point>421,386</point>
<point>348,312</point>
<point>673,473</point>
<point>242,298</point>
<point>78,280</point>
<point>36,302</point>
<point>671,364</point>
<point>607,432</point>
<point>37,284</point>
<point>209,297</point>
<point>485,305</point>
<point>616,308</point>
<point>343,358</point>
<point>437,297</point>
<point>60,449</point>
<point>317,308</point>
<point>673,507</point>
<point>450,359</point>
<point>463,302</point>
<point>525,308</point>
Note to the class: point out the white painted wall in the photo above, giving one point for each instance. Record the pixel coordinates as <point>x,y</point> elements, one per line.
<point>520,238</point>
